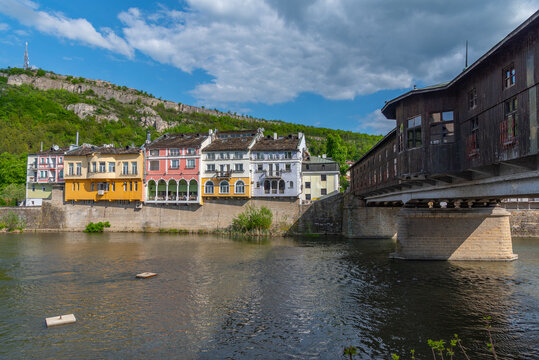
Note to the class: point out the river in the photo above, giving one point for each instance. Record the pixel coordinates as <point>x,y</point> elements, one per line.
<point>217,298</point>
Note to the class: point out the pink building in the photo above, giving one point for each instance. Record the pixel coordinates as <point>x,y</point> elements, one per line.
<point>44,169</point>
<point>173,169</point>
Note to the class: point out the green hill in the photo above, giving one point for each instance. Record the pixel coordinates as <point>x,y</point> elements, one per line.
<point>29,116</point>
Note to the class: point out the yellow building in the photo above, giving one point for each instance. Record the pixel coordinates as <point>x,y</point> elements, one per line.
<point>105,173</point>
<point>320,177</point>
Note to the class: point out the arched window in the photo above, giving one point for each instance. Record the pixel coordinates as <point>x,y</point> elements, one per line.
<point>208,188</point>
<point>282,185</point>
<point>240,187</point>
<point>267,186</point>
<point>224,187</point>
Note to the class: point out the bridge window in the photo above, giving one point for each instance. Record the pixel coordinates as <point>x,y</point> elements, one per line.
<point>472,99</point>
<point>472,141</point>
<point>442,128</point>
<point>414,132</point>
<point>508,127</point>
<point>509,76</point>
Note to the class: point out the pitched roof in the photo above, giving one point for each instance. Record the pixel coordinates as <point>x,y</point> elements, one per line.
<point>54,150</point>
<point>268,143</point>
<point>88,149</point>
<point>319,160</point>
<point>177,140</point>
<point>236,133</point>
<point>230,143</point>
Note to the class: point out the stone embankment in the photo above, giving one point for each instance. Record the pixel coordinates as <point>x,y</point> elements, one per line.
<point>109,91</point>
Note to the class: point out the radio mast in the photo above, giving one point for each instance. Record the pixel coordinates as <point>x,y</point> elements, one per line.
<point>26,65</point>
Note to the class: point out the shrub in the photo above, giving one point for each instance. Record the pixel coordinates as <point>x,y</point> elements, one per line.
<point>96,227</point>
<point>11,221</point>
<point>40,72</point>
<point>253,219</point>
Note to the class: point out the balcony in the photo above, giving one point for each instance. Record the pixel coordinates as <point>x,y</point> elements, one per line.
<point>32,179</point>
<point>275,174</point>
<point>223,174</point>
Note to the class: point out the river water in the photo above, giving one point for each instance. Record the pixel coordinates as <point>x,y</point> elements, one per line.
<point>217,298</point>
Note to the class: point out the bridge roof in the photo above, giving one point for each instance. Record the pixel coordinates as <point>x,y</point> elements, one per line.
<point>376,146</point>
<point>389,108</point>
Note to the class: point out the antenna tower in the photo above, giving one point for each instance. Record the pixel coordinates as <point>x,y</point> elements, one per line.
<point>26,65</point>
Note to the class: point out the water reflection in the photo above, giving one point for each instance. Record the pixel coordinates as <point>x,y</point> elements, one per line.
<point>216,297</point>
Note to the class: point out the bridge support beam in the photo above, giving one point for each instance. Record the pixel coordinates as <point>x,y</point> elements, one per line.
<point>454,234</point>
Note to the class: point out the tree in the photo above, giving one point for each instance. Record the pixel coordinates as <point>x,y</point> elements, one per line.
<point>336,148</point>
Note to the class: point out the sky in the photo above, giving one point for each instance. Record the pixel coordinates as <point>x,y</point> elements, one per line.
<point>329,63</point>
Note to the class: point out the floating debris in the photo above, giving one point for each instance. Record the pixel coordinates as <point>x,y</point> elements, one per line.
<point>60,320</point>
<point>145,275</point>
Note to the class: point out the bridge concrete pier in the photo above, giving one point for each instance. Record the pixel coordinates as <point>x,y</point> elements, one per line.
<point>368,222</point>
<point>454,234</point>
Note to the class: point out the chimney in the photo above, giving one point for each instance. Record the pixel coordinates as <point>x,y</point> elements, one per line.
<point>274,136</point>
<point>323,156</point>
<point>77,141</point>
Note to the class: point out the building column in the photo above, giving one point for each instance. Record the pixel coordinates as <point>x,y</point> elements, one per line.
<point>178,190</point>
<point>454,234</point>
<point>166,191</point>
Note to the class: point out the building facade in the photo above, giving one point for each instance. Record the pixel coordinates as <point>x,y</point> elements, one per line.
<point>226,164</point>
<point>173,168</point>
<point>276,166</point>
<point>320,177</point>
<point>105,173</point>
<point>44,169</point>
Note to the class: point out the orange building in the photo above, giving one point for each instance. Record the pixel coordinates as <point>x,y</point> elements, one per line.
<point>104,173</point>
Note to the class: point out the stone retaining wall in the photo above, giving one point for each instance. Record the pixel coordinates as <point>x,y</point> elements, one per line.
<point>524,223</point>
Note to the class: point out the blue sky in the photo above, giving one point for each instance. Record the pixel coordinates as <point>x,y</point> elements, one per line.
<point>329,63</point>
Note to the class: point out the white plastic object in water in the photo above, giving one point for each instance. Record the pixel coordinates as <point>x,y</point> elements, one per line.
<point>60,320</point>
<point>145,275</point>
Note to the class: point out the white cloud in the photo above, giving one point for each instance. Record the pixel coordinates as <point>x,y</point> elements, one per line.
<point>56,24</point>
<point>375,123</point>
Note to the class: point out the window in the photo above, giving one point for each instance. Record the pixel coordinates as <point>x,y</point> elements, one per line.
<point>78,186</point>
<point>238,155</point>
<point>258,184</point>
<point>191,151</point>
<point>259,167</point>
<point>307,196</point>
<point>395,167</point>
<point>472,141</point>
<point>259,156</point>
<point>60,160</point>
<point>102,167</point>
<point>112,167</point>
<point>136,186</point>
<point>94,166</point>
<point>154,165</point>
<point>238,167</point>
<point>73,187</point>
<point>224,187</point>
<point>79,169</point>
<point>175,164</point>
<point>130,186</point>
<point>240,187</point>
<point>174,152</point>
<point>210,167</point>
<point>208,188</point>
<point>442,133</point>
<point>288,167</point>
<point>291,186</point>
<point>414,132</point>
<point>113,186</point>
<point>210,156</point>
<point>282,186</point>
<point>92,185</point>
<point>323,177</point>
<point>508,127</point>
<point>400,138</point>
<point>472,99</point>
<point>125,169</point>
<point>323,191</point>
<point>307,185</point>
<point>70,169</point>
<point>190,164</point>
<point>61,174</point>
<point>43,188</point>
<point>43,174</point>
<point>134,167</point>
<point>154,152</point>
<point>288,155</point>
<point>509,76</point>
<point>223,156</point>
<point>125,185</point>
<point>441,116</point>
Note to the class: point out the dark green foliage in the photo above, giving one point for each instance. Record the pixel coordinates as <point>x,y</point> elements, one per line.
<point>40,72</point>
<point>12,194</point>
<point>96,227</point>
<point>253,219</point>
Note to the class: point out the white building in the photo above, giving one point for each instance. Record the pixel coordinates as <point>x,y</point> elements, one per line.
<point>276,166</point>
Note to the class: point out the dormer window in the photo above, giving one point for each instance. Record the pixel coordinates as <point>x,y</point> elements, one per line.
<point>509,76</point>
